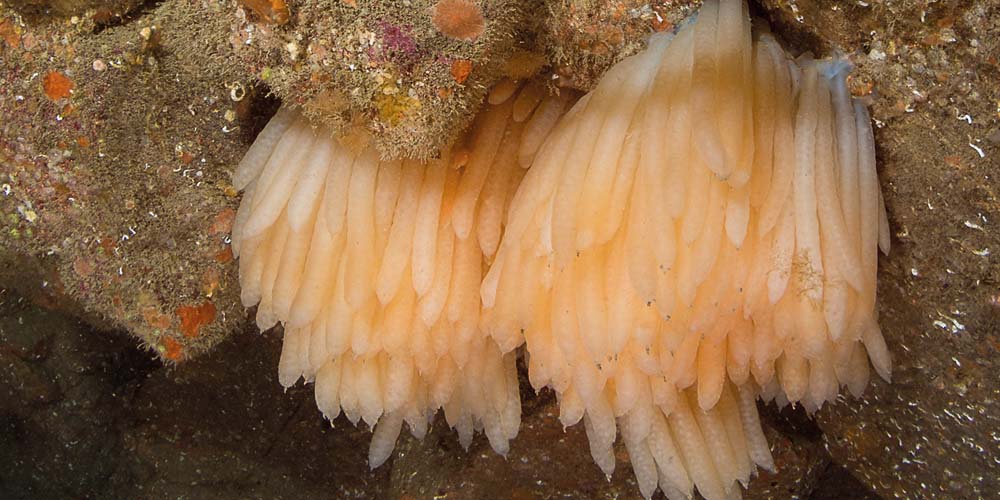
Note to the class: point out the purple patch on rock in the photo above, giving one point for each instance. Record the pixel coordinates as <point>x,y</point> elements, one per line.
<point>399,46</point>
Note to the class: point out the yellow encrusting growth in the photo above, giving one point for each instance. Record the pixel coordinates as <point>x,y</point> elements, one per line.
<point>699,229</point>
<point>374,267</point>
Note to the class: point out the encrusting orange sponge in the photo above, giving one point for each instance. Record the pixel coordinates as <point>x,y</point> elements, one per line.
<point>699,231</point>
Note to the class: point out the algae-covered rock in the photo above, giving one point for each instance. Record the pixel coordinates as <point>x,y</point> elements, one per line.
<point>584,38</point>
<point>102,9</point>
<point>116,145</point>
<point>413,72</point>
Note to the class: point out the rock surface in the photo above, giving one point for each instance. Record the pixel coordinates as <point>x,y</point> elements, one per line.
<point>84,414</point>
<point>116,146</point>
<point>583,39</point>
<point>412,72</point>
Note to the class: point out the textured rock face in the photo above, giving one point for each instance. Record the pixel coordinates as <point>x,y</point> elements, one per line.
<point>116,143</point>
<point>84,414</point>
<point>53,374</point>
<point>43,8</point>
<point>85,106</point>
<point>582,39</point>
<point>413,72</point>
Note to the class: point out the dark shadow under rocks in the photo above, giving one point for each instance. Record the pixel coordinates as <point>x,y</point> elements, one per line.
<point>89,415</point>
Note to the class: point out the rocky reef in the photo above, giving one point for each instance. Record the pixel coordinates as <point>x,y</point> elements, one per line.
<point>413,75</point>
<point>121,122</point>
